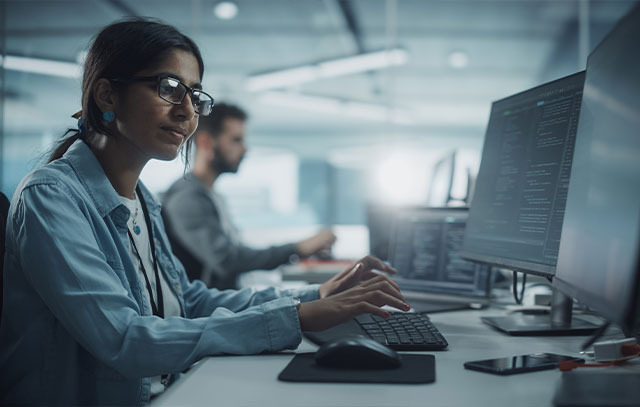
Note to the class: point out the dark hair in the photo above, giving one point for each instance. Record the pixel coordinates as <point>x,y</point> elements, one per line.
<point>121,50</point>
<point>214,122</point>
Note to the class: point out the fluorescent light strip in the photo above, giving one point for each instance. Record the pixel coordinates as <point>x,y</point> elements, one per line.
<point>326,69</point>
<point>361,63</point>
<point>338,107</point>
<point>41,66</point>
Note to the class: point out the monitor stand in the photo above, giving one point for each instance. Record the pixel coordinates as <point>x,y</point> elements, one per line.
<point>556,323</point>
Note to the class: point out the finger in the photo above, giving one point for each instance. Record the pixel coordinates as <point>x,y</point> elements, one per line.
<point>347,273</point>
<point>364,307</point>
<point>387,288</point>
<point>353,277</point>
<point>381,298</point>
<point>365,277</point>
<point>378,278</point>
<point>371,262</point>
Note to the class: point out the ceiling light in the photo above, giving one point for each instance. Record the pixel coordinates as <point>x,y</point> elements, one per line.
<point>339,107</point>
<point>225,10</point>
<point>326,69</point>
<point>364,62</point>
<point>458,60</point>
<point>288,77</point>
<point>304,102</point>
<point>41,66</point>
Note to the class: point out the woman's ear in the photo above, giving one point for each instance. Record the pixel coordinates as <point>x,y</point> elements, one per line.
<point>104,95</point>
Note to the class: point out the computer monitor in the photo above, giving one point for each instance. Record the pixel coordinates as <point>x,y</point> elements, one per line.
<point>425,249</point>
<point>518,207</point>
<point>380,222</point>
<point>599,250</point>
<point>442,181</point>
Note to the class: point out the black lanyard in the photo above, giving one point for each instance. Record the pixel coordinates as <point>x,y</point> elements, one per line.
<point>158,310</point>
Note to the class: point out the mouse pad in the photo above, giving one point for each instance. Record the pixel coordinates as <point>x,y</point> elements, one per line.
<point>415,369</point>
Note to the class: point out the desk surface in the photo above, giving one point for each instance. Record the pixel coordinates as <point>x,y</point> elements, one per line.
<point>252,380</point>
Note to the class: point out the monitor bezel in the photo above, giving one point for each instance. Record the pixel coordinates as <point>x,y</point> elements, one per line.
<point>543,270</point>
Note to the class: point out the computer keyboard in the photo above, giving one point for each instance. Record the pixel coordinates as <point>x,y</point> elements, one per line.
<point>403,331</point>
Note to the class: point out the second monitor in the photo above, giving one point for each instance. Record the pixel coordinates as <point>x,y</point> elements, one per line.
<point>425,248</point>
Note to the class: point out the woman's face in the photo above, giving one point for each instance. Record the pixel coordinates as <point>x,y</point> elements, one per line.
<point>154,127</point>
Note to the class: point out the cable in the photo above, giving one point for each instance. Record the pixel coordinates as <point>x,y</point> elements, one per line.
<point>595,335</point>
<point>607,353</point>
<point>515,287</point>
<point>567,365</point>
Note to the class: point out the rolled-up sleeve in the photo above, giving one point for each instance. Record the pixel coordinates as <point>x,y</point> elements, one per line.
<point>201,301</point>
<point>63,260</point>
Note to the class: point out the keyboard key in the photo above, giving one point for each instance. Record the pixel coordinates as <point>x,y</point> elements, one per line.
<point>365,319</point>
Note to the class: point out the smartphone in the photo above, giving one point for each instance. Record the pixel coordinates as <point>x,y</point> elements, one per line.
<point>520,364</point>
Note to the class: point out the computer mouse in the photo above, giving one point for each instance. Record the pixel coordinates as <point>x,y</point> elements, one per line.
<point>357,352</point>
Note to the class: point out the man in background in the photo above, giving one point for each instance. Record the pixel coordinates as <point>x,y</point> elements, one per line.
<point>202,235</point>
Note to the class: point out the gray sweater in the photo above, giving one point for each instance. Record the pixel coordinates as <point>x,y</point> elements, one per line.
<point>205,240</point>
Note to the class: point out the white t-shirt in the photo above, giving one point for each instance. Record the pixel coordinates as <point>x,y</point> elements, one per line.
<point>170,301</point>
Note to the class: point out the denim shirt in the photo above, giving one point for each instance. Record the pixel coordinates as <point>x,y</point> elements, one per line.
<point>75,328</point>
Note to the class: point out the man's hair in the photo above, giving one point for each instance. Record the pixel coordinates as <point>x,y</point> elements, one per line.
<point>214,122</point>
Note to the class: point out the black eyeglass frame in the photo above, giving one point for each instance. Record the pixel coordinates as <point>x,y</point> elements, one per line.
<point>158,78</point>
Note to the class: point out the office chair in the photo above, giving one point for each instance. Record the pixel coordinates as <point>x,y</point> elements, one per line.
<point>191,265</point>
<point>4,213</point>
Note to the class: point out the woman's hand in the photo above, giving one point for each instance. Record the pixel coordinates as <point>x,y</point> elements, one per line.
<point>361,271</point>
<point>365,298</point>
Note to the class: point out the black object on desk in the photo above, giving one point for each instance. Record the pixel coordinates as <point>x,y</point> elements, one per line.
<point>358,352</point>
<point>402,331</point>
<point>520,364</point>
<point>415,369</point>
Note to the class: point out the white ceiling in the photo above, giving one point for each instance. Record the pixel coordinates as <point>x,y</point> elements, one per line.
<point>511,45</point>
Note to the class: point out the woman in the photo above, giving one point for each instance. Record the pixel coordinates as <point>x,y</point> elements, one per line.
<point>97,309</point>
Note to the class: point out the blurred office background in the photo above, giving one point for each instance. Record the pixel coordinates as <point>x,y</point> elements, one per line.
<point>329,132</point>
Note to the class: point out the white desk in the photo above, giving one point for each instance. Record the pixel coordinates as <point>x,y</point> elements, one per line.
<point>252,380</point>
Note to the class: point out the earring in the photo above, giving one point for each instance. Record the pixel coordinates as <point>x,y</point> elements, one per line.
<point>109,116</point>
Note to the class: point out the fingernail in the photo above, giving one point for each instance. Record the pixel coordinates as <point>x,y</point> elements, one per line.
<point>407,306</point>
<point>387,314</point>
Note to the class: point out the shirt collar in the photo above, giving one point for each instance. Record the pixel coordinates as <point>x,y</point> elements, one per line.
<point>95,181</point>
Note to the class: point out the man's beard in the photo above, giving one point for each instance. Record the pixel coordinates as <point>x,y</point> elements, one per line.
<point>224,166</point>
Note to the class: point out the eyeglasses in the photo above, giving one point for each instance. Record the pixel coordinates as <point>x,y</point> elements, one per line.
<point>173,91</point>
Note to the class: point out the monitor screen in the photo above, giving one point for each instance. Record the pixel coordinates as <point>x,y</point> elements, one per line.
<point>425,251</point>
<point>520,194</point>
<point>598,262</point>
